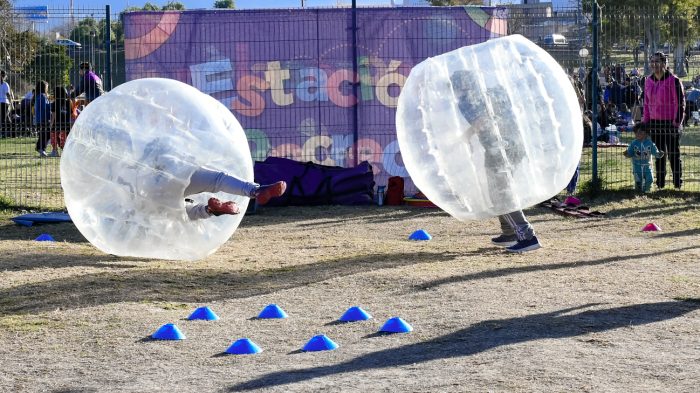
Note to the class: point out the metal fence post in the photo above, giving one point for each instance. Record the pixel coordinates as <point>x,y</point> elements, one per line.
<point>355,126</point>
<point>108,45</point>
<point>594,101</point>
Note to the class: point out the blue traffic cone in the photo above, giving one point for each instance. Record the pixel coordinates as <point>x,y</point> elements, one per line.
<point>272,311</point>
<point>420,235</point>
<point>355,314</point>
<point>44,237</point>
<point>243,346</point>
<point>396,325</point>
<point>168,332</point>
<point>204,313</point>
<point>320,343</point>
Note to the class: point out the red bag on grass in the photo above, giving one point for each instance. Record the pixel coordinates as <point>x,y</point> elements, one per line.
<point>394,191</point>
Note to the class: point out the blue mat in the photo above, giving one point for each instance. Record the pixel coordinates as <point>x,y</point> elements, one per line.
<point>30,219</point>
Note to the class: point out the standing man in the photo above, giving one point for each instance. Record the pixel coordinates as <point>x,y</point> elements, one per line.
<point>90,83</point>
<point>664,109</point>
<point>5,104</point>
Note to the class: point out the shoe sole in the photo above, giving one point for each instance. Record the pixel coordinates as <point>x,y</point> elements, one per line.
<point>273,191</point>
<point>528,248</point>
<point>505,244</point>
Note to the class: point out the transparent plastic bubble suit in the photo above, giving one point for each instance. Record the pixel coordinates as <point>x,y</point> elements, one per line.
<point>129,158</point>
<point>489,129</point>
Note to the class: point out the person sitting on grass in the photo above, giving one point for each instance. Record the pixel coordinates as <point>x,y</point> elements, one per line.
<point>641,150</point>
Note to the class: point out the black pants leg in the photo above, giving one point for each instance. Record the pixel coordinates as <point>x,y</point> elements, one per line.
<point>4,119</point>
<point>658,136</point>
<point>44,136</point>
<point>666,137</point>
<point>674,157</point>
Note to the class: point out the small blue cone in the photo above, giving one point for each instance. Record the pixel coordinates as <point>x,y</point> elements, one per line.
<point>320,343</point>
<point>243,346</point>
<point>354,314</point>
<point>272,311</point>
<point>44,237</point>
<point>168,332</point>
<point>204,313</point>
<point>420,235</point>
<point>396,325</point>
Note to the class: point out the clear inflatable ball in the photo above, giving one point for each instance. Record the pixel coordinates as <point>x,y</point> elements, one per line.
<point>129,158</point>
<point>489,129</point>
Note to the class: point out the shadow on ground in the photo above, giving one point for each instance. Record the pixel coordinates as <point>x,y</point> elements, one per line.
<point>487,335</point>
<point>182,285</point>
<point>534,268</point>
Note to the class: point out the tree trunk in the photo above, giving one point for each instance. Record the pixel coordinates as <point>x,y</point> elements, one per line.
<point>679,59</point>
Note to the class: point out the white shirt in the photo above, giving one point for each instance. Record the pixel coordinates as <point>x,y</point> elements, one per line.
<point>4,91</point>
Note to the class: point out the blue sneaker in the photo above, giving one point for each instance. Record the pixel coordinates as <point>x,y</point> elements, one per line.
<point>504,240</point>
<point>525,245</point>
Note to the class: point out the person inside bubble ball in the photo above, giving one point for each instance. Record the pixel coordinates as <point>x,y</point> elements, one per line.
<point>503,151</point>
<point>206,180</point>
<point>156,177</point>
<point>157,155</point>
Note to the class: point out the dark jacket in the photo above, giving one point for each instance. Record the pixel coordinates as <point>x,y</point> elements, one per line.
<point>91,85</point>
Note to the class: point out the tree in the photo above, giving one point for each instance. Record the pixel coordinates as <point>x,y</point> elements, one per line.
<point>86,31</point>
<point>21,49</point>
<point>174,6</point>
<point>150,7</point>
<point>653,22</point>
<point>224,4</point>
<point>6,32</point>
<point>50,63</point>
<point>683,30</point>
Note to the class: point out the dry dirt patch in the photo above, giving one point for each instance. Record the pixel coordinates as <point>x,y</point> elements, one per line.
<point>602,307</point>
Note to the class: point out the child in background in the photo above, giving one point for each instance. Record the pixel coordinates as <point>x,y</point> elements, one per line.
<point>641,150</point>
<point>61,109</point>
<point>42,116</point>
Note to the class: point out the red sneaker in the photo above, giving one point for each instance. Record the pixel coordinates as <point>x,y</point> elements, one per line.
<point>217,208</point>
<point>264,193</point>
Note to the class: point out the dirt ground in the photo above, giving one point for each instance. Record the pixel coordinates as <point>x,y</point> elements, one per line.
<point>603,307</point>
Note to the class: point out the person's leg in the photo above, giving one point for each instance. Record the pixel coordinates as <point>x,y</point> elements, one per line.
<point>638,178</point>
<point>522,228</point>
<point>571,187</point>
<point>214,207</point>
<point>4,125</point>
<point>527,240</point>
<point>206,180</point>
<point>42,140</point>
<point>658,136</point>
<point>674,158</point>
<point>507,237</point>
<point>196,211</point>
<point>62,135</point>
<point>647,179</point>
<point>53,135</point>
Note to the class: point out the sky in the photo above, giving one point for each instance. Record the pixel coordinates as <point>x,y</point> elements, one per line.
<point>118,5</point>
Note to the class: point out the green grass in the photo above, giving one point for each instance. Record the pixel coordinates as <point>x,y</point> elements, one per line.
<point>615,170</point>
<point>27,181</point>
<point>30,182</point>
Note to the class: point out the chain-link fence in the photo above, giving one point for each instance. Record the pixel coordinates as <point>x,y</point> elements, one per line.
<point>48,44</point>
<point>42,44</point>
